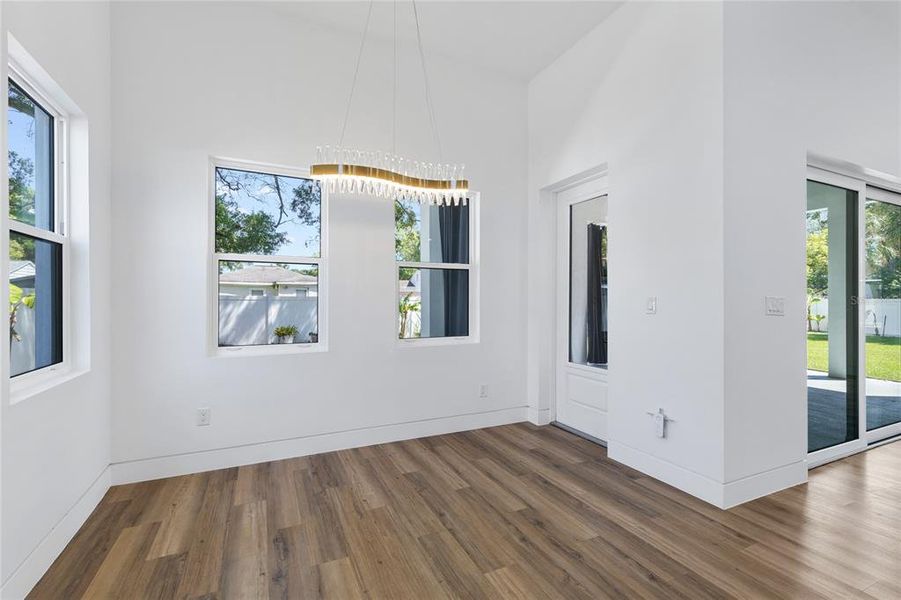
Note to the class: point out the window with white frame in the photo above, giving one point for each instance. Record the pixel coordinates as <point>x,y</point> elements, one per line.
<point>268,243</point>
<point>433,246</point>
<point>38,245</point>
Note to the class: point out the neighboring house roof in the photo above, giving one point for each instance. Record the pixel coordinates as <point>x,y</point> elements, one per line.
<point>267,275</point>
<point>20,269</point>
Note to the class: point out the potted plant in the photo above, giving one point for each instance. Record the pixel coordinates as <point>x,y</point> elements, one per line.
<point>285,333</point>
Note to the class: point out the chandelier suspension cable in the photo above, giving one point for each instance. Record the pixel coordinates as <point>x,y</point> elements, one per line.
<point>394,96</point>
<point>387,174</point>
<point>428,88</point>
<point>353,84</point>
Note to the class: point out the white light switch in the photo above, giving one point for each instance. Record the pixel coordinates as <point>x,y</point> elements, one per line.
<point>775,306</point>
<point>651,308</point>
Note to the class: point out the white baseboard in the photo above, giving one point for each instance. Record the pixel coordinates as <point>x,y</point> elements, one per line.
<point>762,484</point>
<point>721,495</point>
<point>26,575</point>
<point>208,460</point>
<point>697,485</point>
<point>539,416</point>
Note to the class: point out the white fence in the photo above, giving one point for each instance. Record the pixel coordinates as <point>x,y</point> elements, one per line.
<point>250,320</point>
<point>883,315</point>
<point>21,352</point>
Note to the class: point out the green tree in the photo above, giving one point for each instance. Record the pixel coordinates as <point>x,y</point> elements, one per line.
<point>883,247</point>
<point>21,192</point>
<point>240,232</point>
<point>817,262</point>
<point>407,241</point>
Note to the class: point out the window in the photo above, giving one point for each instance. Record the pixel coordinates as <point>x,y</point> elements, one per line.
<point>588,283</point>
<point>37,242</point>
<point>267,243</point>
<point>433,250</point>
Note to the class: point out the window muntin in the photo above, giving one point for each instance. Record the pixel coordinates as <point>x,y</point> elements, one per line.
<point>37,248</point>
<point>267,251</point>
<point>433,246</point>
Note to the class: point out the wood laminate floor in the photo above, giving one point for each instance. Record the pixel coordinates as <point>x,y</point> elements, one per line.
<point>507,512</point>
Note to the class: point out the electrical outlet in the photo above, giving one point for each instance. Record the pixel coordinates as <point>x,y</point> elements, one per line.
<point>483,390</point>
<point>203,416</point>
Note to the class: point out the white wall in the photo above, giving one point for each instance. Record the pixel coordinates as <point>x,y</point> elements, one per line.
<point>642,93</point>
<point>820,77</point>
<point>56,444</point>
<point>191,80</point>
<point>704,115</point>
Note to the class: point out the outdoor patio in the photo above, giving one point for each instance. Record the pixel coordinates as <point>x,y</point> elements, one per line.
<point>826,403</point>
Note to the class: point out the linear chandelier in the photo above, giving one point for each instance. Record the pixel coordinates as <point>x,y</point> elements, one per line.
<point>387,174</point>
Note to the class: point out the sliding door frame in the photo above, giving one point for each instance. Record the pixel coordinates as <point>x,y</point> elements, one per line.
<point>887,431</point>
<point>825,455</point>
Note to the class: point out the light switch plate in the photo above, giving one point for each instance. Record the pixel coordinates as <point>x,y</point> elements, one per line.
<point>651,308</point>
<point>775,306</point>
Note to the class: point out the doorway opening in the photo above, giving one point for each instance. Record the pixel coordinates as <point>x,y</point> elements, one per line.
<point>853,234</point>
<point>583,349</point>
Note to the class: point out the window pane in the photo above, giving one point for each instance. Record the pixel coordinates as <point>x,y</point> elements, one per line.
<point>30,160</point>
<point>883,314</point>
<point>254,312</point>
<point>263,213</point>
<point>588,283</point>
<point>35,303</point>
<point>433,303</point>
<point>832,322</point>
<point>427,233</point>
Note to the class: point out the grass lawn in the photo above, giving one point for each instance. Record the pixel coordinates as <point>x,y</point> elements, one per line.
<point>883,355</point>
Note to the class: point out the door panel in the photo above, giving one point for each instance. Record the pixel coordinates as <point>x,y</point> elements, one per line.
<point>832,337</point>
<point>581,398</point>
<point>882,308</point>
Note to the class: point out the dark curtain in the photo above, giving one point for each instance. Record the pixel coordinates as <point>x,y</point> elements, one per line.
<point>453,224</point>
<point>596,322</point>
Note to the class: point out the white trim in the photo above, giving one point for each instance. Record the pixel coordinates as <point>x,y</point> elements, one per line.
<point>853,171</point>
<point>30,571</point>
<point>875,193</point>
<point>220,458</point>
<point>540,416</point>
<point>585,187</point>
<point>26,73</point>
<point>214,350</point>
<point>688,481</point>
<point>763,484</point>
<point>881,433</point>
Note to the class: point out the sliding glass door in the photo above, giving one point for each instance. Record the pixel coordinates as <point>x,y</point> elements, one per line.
<point>882,314</point>
<point>853,315</point>
<point>832,332</point>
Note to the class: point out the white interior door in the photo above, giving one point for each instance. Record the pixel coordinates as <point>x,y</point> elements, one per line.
<point>582,343</point>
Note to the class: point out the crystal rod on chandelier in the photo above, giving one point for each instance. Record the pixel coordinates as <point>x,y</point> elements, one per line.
<point>384,174</point>
<point>390,176</point>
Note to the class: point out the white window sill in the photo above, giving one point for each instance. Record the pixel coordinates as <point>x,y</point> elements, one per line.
<point>37,382</point>
<point>436,341</point>
<point>268,350</point>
